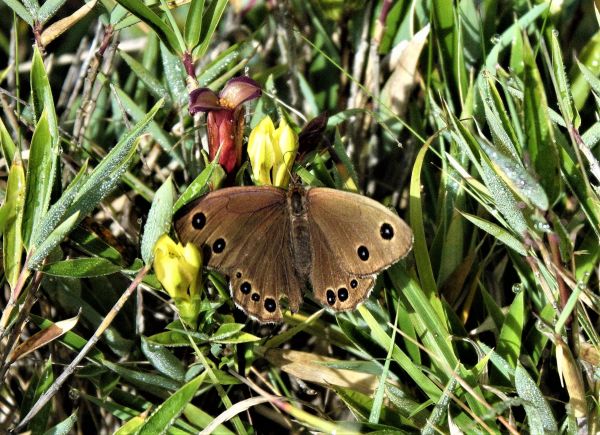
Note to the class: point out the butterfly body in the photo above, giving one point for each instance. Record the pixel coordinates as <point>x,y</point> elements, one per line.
<point>300,237</point>
<point>271,243</point>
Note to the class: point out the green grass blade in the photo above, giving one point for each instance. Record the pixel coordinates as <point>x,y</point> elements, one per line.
<point>171,408</point>
<point>21,11</point>
<point>40,177</point>
<point>193,24</point>
<point>11,223</point>
<point>416,223</point>
<point>81,268</point>
<point>6,144</point>
<point>538,131</point>
<point>563,90</point>
<point>539,413</point>
<point>106,175</point>
<point>148,16</point>
<point>497,232</point>
<point>152,84</point>
<point>159,219</point>
<point>41,93</point>
<point>49,8</point>
<point>52,241</point>
<point>509,342</point>
<point>210,21</point>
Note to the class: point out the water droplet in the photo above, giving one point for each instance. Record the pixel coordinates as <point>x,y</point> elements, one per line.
<point>517,288</point>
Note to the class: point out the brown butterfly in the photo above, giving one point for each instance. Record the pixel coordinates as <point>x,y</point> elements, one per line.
<point>271,242</point>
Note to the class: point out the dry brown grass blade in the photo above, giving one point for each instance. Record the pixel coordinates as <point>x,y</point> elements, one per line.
<point>312,368</point>
<point>43,337</point>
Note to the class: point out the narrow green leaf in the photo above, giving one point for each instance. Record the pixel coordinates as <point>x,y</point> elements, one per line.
<point>139,114</point>
<point>6,144</point>
<point>515,176</point>
<point>420,250</point>
<point>164,416</point>
<point>20,10</point>
<point>41,93</point>
<point>506,369</point>
<point>149,381</point>
<point>539,136</point>
<point>57,212</point>
<point>415,373</point>
<point>199,418</point>
<point>81,268</point>
<point>430,323</point>
<point>509,342</point>
<point>53,240</point>
<point>225,62</point>
<point>65,427</point>
<point>440,409</point>
<point>147,16</point>
<point>40,177</point>
<point>48,9</point>
<point>565,100</point>
<point>210,21</point>
<point>159,219</point>
<point>588,57</point>
<point>11,224</point>
<point>163,360</point>
<point>447,31</point>
<point>379,392</point>
<point>568,309</point>
<point>174,76</point>
<point>153,85</point>
<point>89,243</point>
<point>504,200</point>
<point>193,24</point>
<point>36,388</point>
<point>105,177</point>
<point>539,413</point>
<point>199,186</point>
<point>507,37</point>
<point>579,185</point>
<point>497,232</point>
<point>502,130</point>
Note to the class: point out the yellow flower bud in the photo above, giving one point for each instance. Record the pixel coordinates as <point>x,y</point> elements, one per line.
<point>177,267</point>
<point>272,152</point>
<point>286,145</point>
<point>260,150</point>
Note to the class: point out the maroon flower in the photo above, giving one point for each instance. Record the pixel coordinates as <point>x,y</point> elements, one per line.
<point>225,120</point>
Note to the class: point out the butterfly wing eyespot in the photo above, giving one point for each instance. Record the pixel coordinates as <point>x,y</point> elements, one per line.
<point>335,291</point>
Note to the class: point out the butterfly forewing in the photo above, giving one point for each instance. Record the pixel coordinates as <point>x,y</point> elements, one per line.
<point>353,238</point>
<point>244,233</point>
